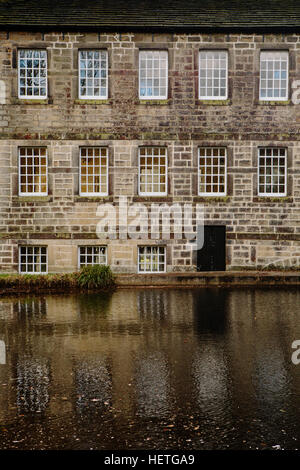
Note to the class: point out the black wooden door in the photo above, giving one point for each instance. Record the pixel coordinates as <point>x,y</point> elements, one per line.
<point>212,257</point>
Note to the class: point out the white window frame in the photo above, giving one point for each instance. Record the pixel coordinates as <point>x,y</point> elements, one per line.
<point>213,193</point>
<point>93,97</point>
<point>148,193</point>
<point>140,271</point>
<point>272,194</point>
<point>21,193</point>
<point>87,193</point>
<point>274,98</point>
<point>32,246</point>
<point>152,97</point>
<point>85,254</point>
<point>32,97</point>
<point>212,97</point>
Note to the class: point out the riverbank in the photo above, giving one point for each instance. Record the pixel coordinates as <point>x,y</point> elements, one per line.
<point>206,279</point>
<point>60,283</point>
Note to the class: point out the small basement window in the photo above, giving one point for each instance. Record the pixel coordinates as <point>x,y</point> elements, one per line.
<point>92,255</point>
<point>151,259</point>
<point>33,260</point>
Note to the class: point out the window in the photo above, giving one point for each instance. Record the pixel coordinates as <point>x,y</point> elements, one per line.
<point>152,171</point>
<point>33,171</point>
<point>272,172</point>
<point>152,259</point>
<point>212,172</point>
<point>213,67</point>
<point>93,82</point>
<point>32,74</point>
<point>33,260</point>
<point>93,171</point>
<point>153,83</point>
<point>91,255</point>
<point>273,75</point>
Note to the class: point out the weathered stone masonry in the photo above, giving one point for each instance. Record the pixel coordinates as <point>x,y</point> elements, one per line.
<point>259,230</point>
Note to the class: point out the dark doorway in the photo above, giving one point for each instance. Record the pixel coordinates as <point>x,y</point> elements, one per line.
<point>212,257</point>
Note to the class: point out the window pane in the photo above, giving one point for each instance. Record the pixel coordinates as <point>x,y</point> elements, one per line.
<point>212,64</point>
<point>33,171</point>
<point>29,69</point>
<point>271,172</point>
<point>273,66</point>
<point>212,170</point>
<point>151,259</point>
<point>33,260</point>
<point>90,69</point>
<point>92,255</point>
<point>152,170</point>
<point>96,169</point>
<point>153,72</point>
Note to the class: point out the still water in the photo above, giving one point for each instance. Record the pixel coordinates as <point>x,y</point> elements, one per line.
<point>151,369</point>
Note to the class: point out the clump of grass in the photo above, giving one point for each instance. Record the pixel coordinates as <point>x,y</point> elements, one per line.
<point>89,278</point>
<point>96,277</point>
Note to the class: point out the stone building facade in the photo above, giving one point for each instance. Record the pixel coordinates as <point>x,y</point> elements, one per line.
<point>260,229</point>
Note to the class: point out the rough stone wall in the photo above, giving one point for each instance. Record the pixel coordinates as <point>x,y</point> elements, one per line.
<point>259,230</point>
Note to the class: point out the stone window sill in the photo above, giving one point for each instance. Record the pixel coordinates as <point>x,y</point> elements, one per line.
<point>152,199</point>
<point>154,102</point>
<point>39,102</point>
<point>93,198</point>
<point>283,199</point>
<point>213,102</point>
<point>32,198</point>
<point>211,199</point>
<point>274,103</point>
<point>93,102</point>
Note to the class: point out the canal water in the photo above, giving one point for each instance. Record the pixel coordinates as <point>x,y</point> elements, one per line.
<point>151,369</point>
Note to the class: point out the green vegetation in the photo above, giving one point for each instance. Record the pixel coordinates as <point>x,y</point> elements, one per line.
<point>93,278</point>
<point>96,277</point>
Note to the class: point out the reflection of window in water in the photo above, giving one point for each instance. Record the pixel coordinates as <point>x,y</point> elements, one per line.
<point>93,384</point>
<point>33,379</point>
<point>152,386</point>
<point>31,307</point>
<point>153,302</point>
<point>6,310</point>
<point>270,380</point>
<point>210,378</point>
<point>2,352</point>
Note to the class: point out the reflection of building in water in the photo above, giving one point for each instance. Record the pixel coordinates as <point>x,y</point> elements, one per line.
<point>152,386</point>
<point>210,375</point>
<point>93,384</point>
<point>153,302</point>
<point>33,379</point>
<point>262,324</point>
